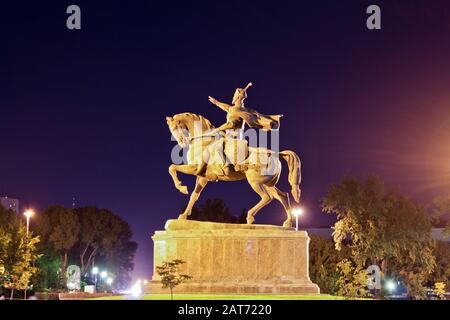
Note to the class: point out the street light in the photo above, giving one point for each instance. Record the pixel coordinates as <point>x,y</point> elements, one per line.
<point>103,274</point>
<point>28,213</point>
<point>95,273</point>
<point>297,212</point>
<point>136,290</point>
<point>109,281</point>
<point>391,286</point>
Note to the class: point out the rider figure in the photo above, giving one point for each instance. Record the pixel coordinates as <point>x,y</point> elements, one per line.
<point>237,116</point>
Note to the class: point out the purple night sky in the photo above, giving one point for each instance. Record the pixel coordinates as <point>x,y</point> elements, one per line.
<point>83,112</point>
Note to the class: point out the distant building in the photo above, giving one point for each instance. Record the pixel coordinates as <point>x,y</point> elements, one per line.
<point>10,203</point>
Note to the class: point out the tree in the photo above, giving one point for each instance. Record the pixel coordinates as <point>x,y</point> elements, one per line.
<point>352,279</point>
<point>49,270</point>
<point>439,289</point>
<point>121,263</point>
<point>442,209</point>
<point>7,221</point>
<point>323,260</point>
<point>384,228</point>
<point>441,272</point>
<point>18,252</point>
<point>5,240</point>
<point>119,258</point>
<point>93,226</point>
<point>21,257</point>
<point>108,237</point>
<point>59,228</point>
<point>83,235</point>
<point>215,210</point>
<point>170,274</point>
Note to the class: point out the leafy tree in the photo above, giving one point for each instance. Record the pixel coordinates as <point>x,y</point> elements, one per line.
<point>170,274</point>
<point>119,258</point>
<point>83,235</point>
<point>215,210</point>
<point>7,222</point>
<point>108,237</point>
<point>49,269</point>
<point>439,289</point>
<point>5,240</point>
<point>442,209</point>
<point>384,228</point>
<point>441,272</point>
<point>59,228</point>
<point>20,259</point>
<point>18,252</point>
<point>352,279</point>
<point>91,231</point>
<point>323,259</point>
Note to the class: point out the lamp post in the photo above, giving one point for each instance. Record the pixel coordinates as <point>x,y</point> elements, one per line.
<point>95,273</point>
<point>109,282</point>
<point>297,212</point>
<point>28,214</point>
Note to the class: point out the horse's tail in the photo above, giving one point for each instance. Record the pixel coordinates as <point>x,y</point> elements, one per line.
<point>295,176</point>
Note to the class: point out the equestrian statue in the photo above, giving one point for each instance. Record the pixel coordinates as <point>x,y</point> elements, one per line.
<point>222,154</point>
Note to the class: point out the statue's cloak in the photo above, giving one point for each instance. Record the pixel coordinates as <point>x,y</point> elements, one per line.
<point>256,120</point>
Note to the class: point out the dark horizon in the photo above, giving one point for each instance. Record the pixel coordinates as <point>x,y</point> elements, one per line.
<point>81,109</point>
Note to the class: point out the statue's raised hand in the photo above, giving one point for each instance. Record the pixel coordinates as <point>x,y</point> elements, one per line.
<point>212,100</point>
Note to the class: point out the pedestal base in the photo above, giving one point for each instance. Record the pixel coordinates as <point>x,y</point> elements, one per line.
<point>235,259</point>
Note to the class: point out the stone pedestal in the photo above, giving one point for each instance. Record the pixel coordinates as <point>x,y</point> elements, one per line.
<point>234,258</point>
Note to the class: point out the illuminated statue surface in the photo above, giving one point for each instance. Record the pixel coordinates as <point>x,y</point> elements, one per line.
<point>222,154</point>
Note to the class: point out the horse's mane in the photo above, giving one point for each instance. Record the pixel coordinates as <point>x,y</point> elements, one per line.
<point>192,117</point>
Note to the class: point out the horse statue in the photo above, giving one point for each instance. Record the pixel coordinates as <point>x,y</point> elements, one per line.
<point>261,167</point>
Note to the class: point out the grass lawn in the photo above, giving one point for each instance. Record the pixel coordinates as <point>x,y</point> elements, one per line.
<point>183,296</point>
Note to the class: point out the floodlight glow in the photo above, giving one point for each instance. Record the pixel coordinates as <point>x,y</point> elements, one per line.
<point>28,213</point>
<point>391,285</point>
<point>94,270</point>
<point>109,281</point>
<point>103,274</point>
<point>297,212</point>
<point>136,290</point>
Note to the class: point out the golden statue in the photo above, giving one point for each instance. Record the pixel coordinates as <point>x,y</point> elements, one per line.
<point>221,154</point>
<point>237,116</point>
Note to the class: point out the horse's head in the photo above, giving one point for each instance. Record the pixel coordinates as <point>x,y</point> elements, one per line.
<point>184,126</point>
<point>179,131</point>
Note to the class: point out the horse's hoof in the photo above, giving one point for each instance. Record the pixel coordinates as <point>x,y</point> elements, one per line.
<point>250,219</point>
<point>287,224</point>
<point>182,217</point>
<point>183,189</point>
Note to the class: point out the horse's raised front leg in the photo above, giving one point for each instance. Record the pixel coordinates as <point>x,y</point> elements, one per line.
<point>183,168</point>
<point>199,186</point>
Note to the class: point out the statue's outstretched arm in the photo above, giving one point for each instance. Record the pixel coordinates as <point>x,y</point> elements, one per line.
<point>221,105</point>
<point>225,126</point>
